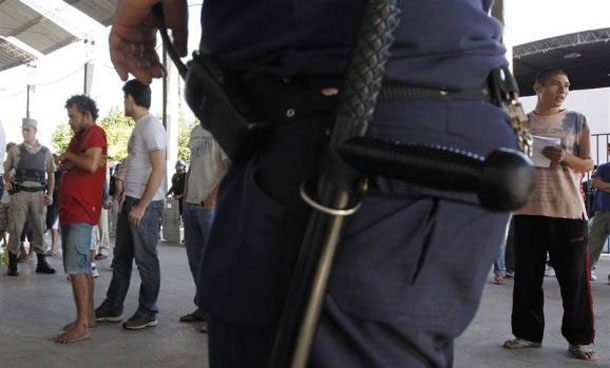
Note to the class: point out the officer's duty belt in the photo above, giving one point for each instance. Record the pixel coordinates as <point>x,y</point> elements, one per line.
<point>394,91</point>
<point>286,99</point>
<point>31,189</point>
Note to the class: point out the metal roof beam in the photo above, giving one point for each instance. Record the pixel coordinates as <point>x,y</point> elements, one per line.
<point>9,48</point>
<point>27,26</point>
<point>575,39</point>
<point>65,16</point>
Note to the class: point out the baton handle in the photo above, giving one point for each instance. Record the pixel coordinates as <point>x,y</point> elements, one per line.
<point>503,181</point>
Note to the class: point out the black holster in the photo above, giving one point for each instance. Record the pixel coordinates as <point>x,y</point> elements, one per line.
<point>216,96</point>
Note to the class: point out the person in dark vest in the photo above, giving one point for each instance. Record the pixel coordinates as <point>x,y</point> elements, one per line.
<point>32,190</point>
<point>178,182</point>
<point>404,283</point>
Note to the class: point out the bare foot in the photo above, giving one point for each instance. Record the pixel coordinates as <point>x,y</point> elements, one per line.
<point>74,334</point>
<point>90,324</point>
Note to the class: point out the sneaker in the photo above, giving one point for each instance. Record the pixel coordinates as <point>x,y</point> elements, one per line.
<point>100,256</point>
<point>139,321</point>
<point>104,315</point>
<point>510,274</point>
<point>593,276</point>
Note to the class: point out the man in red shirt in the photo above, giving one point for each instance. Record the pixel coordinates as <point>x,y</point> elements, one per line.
<point>80,202</point>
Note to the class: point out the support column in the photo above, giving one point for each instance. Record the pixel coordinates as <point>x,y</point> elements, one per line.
<point>171,217</point>
<point>88,78</point>
<point>170,113</point>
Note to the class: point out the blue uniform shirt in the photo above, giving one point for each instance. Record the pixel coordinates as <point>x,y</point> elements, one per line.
<point>440,43</point>
<point>602,198</point>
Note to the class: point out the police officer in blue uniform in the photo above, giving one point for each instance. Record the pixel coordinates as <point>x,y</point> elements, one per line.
<point>410,269</point>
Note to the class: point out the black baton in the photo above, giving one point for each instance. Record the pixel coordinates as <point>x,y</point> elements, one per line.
<point>337,185</point>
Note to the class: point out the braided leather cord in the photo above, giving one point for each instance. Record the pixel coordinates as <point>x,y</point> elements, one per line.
<point>366,69</point>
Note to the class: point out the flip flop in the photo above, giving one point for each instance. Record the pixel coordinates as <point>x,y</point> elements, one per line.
<point>191,318</point>
<point>583,352</point>
<point>516,344</point>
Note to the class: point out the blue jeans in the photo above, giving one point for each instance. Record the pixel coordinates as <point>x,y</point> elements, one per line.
<point>197,223</point>
<point>139,243</point>
<point>500,264</point>
<point>76,243</point>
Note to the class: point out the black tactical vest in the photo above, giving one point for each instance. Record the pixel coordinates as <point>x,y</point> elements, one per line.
<point>31,166</point>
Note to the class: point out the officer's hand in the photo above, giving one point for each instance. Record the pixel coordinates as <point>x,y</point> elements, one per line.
<point>135,215</point>
<point>133,36</point>
<point>107,204</point>
<point>120,196</point>
<point>555,154</point>
<point>209,202</point>
<point>47,200</point>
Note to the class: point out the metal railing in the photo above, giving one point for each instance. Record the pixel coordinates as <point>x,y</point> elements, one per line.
<point>600,153</point>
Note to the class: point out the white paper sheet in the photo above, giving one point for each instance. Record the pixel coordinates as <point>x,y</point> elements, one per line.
<point>540,142</point>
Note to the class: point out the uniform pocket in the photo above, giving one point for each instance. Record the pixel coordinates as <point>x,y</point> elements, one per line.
<point>376,270</point>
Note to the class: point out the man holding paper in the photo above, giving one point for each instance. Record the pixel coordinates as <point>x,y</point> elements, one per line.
<point>554,221</point>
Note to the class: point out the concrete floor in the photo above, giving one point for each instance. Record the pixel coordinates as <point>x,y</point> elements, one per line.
<point>480,345</point>
<point>33,308</point>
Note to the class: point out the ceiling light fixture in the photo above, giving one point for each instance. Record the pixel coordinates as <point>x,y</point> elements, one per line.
<point>572,55</point>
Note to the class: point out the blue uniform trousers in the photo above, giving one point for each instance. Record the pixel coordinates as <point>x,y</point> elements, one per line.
<point>409,271</point>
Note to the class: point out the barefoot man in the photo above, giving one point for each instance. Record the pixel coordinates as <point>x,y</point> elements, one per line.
<point>80,203</point>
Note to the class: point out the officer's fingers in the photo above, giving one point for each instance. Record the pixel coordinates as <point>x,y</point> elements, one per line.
<point>137,66</point>
<point>118,55</point>
<point>175,14</point>
<point>132,50</point>
<point>144,62</point>
<point>146,74</point>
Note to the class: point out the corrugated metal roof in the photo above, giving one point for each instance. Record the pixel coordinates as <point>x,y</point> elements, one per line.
<point>11,56</point>
<point>30,27</point>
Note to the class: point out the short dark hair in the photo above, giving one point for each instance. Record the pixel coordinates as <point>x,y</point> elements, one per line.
<point>83,104</point>
<point>544,75</point>
<point>139,91</point>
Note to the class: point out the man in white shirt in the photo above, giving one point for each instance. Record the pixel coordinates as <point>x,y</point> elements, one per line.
<point>139,220</point>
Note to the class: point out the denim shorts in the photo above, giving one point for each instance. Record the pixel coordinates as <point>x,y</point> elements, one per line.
<point>76,244</point>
